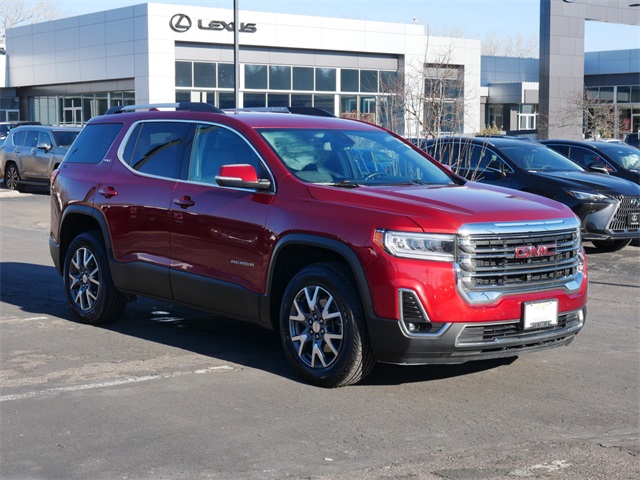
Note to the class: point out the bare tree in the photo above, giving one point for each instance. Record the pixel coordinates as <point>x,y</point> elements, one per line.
<point>593,115</point>
<point>517,45</point>
<point>23,12</point>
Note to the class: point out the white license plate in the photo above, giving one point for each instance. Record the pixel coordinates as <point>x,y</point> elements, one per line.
<point>540,314</point>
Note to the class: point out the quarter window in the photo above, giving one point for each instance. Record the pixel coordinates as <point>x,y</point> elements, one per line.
<point>93,143</point>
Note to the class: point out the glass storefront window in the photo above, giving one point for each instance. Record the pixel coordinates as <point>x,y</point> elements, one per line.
<point>204,75</point>
<point>278,100</point>
<point>326,79</point>
<point>255,76</point>
<point>226,100</point>
<point>389,82</point>
<point>184,76</point>
<point>302,100</point>
<point>325,102</point>
<point>623,95</point>
<point>279,78</point>
<point>252,100</point>
<point>183,96</point>
<point>303,78</point>
<point>348,106</point>
<point>606,94</point>
<point>226,75</point>
<point>369,81</point>
<point>349,80</point>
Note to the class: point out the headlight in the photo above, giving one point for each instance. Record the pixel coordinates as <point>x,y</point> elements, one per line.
<point>589,197</point>
<point>422,246</point>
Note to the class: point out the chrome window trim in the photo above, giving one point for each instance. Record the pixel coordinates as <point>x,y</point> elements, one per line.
<point>133,126</point>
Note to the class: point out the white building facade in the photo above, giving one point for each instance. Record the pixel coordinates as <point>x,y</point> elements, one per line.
<point>66,71</point>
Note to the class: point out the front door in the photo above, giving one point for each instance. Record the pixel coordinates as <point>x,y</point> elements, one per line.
<point>219,243</point>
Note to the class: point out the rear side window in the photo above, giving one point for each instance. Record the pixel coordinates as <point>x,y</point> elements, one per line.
<point>157,148</point>
<point>93,143</point>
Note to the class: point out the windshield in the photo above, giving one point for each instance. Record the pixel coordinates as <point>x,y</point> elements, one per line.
<point>538,158</point>
<point>626,157</point>
<point>352,157</point>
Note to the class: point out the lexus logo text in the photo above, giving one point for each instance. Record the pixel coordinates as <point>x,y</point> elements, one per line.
<point>181,23</point>
<point>533,252</point>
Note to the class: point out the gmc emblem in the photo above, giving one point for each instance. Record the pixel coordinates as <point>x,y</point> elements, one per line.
<point>531,252</point>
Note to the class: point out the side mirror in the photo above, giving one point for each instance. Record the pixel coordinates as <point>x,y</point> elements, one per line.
<point>599,167</point>
<point>241,176</point>
<point>44,146</point>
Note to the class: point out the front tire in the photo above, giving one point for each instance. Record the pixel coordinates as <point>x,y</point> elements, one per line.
<point>12,178</point>
<point>322,327</point>
<point>610,245</point>
<point>87,281</point>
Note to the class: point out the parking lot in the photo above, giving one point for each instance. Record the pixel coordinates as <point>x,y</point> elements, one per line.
<point>171,393</point>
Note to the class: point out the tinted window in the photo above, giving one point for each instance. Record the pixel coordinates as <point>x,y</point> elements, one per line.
<point>63,138</point>
<point>584,156</point>
<point>157,148</point>
<point>93,143</point>
<point>214,147</point>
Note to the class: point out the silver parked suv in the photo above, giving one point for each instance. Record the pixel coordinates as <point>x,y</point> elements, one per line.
<point>30,153</point>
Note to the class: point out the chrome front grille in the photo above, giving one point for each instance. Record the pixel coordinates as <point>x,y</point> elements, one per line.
<point>620,220</point>
<point>505,258</point>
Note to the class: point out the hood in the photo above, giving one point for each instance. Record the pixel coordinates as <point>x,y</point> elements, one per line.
<point>446,208</point>
<point>590,182</point>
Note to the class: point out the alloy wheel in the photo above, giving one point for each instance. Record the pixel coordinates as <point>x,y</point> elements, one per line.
<point>316,327</point>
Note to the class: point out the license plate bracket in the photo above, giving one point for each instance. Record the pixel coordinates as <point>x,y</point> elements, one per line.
<point>539,314</point>
<point>633,219</point>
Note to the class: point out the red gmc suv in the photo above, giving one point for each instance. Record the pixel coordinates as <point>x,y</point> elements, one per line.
<point>354,245</point>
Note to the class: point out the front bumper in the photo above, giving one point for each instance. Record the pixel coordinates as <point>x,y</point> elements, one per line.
<point>455,343</point>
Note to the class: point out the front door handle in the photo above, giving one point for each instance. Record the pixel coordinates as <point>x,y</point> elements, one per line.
<point>108,192</point>
<point>184,202</point>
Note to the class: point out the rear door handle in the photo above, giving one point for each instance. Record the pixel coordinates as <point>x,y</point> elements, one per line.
<point>108,192</point>
<point>184,202</point>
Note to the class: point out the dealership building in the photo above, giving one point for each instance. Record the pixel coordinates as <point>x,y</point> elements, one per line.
<point>66,71</point>
<point>69,70</point>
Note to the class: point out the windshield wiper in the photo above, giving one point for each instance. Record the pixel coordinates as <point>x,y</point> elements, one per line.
<point>345,184</point>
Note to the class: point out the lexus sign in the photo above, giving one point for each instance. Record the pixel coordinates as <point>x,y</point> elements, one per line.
<point>181,23</point>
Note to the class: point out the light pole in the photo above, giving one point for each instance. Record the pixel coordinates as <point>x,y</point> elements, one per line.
<point>236,55</point>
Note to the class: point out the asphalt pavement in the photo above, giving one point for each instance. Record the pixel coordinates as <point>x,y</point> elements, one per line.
<point>172,393</point>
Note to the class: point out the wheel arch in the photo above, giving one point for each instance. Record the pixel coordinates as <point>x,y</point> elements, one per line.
<point>295,251</point>
<point>78,219</point>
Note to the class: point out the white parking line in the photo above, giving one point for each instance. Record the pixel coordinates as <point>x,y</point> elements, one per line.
<point>111,383</point>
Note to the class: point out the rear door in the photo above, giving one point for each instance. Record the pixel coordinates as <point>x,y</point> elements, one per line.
<point>219,244</point>
<point>136,201</point>
<point>25,154</point>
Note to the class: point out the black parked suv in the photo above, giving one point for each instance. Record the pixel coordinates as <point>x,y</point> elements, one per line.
<point>617,159</point>
<point>608,207</point>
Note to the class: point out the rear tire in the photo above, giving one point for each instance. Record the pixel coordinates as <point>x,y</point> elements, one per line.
<point>610,245</point>
<point>87,281</point>
<point>322,327</point>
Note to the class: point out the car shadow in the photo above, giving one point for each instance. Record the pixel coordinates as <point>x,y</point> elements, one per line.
<point>198,332</point>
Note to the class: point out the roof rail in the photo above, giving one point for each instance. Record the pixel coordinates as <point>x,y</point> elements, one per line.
<point>313,111</point>
<point>180,106</point>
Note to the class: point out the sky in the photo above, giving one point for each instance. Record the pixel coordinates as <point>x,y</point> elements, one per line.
<point>469,18</point>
